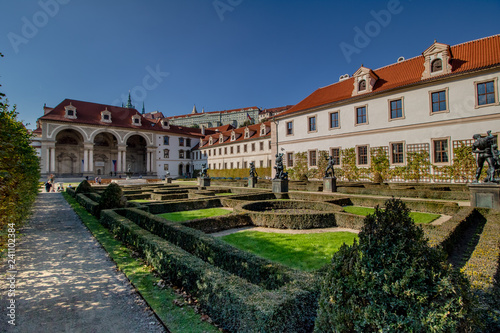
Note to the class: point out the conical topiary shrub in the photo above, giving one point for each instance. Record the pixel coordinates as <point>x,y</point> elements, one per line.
<point>112,197</point>
<point>84,187</point>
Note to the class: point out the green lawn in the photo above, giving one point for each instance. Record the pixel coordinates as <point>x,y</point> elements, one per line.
<point>194,214</point>
<point>161,300</point>
<point>416,216</point>
<point>223,194</point>
<point>306,252</point>
<point>140,200</point>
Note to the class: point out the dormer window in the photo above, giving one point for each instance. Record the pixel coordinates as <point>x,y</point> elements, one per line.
<point>437,59</point>
<point>247,133</point>
<point>70,112</point>
<point>165,124</point>
<point>437,66</point>
<point>362,85</point>
<point>136,120</point>
<point>262,130</point>
<point>211,141</point>
<point>233,136</point>
<point>364,81</point>
<point>106,116</point>
<point>221,138</point>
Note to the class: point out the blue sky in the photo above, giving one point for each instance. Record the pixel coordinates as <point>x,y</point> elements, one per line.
<point>220,55</point>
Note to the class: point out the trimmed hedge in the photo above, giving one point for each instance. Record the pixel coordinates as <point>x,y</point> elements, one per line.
<point>181,205</point>
<point>417,193</point>
<point>90,205</point>
<point>71,191</point>
<point>231,301</point>
<point>219,223</point>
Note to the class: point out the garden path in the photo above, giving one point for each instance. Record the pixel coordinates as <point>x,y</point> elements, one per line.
<point>66,282</point>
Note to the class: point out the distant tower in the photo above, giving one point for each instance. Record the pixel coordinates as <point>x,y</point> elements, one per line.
<point>143,109</point>
<point>129,102</point>
<point>194,110</point>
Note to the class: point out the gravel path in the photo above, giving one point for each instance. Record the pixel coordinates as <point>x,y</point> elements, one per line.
<point>66,282</point>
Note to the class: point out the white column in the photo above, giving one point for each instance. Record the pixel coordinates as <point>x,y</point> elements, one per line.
<point>53,159</point>
<point>148,161</point>
<point>91,160</point>
<point>124,161</point>
<point>85,160</point>
<point>119,161</point>
<point>47,161</point>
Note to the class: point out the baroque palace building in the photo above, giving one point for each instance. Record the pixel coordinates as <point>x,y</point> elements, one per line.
<point>433,102</point>
<point>79,138</point>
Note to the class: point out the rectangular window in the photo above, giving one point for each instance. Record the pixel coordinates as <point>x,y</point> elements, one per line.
<point>486,93</point>
<point>225,150</point>
<point>397,153</point>
<point>215,152</point>
<point>237,165</point>
<point>165,167</point>
<point>334,120</point>
<point>312,158</point>
<point>188,142</point>
<point>253,146</point>
<point>261,163</point>
<point>335,153</point>
<point>312,124</point>
<point>289,160</point>
<point>209,153</point>
<point>237,149</point>
<point>231,149</point>
<point>261,145</point>
<point>165,140</point>
<point>441,151</point>
<point>232,165</point>
<point>269,145</point>
<point>181,153</point>
<point>188,154</point>
<point>438,101</point>
<point>166,153</point>
<point>396,109</point>
<point>225,165</point>
<point>181,142</point>
<point>244,148</point>
<point>220,151</point>
<point>362,155</point>
<point>244,164</point>
<point>289,128</point>
<point>361,115</point>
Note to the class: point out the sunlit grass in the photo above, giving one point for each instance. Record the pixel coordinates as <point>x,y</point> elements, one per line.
<point>417,217</point>
<point>301,251</point>
<point>223,194</point>
<point>177,319</point>
<point>194,214</point>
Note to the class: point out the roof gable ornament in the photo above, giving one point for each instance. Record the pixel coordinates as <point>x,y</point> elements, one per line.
<point>194,110</point>
<point>364,81</point>
<point>437,60</point>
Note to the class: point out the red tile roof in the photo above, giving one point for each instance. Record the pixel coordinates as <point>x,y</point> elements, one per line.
<point>474,55</point>
<point>240,135</point>
<point>276,110</point>
<point>90,114</point>
<point>222,128</point>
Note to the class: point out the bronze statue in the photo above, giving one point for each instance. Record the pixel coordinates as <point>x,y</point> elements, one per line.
<point>279,167</point>
<point>330,172</point>
<point>486,150</point>
<point>253,172</point>
<point>204,170</point>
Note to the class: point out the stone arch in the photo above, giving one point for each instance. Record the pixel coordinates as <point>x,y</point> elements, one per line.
<point>144,136</point>
<point>105,153</point>
<point>136,154</point>
<point>181,170</point>
<point>61,128</point>
<point>69,145</point>
<point>117,136</point>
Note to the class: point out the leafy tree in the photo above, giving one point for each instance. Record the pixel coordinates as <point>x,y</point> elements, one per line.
<point>349,168</point>
<point>393,281</point>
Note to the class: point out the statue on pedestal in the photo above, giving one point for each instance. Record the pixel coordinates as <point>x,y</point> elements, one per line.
<point>204,170</point>
<point>330,172</point>
<point>280,174</point>
<point>486,150</point>
<point>253,172</point>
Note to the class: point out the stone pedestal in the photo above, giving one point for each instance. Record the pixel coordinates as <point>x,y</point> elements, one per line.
<point>280,186</point>
<point>252,181</point>
<point>485,195</point>
<point>203,181</point>
<point>330,184</point>
<point>168,180</point>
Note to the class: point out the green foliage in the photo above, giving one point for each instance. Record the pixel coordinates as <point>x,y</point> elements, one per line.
<point>319,172</point>
<point>84,187</point>
<point>417,166</point>
<point>392,281</point>
<point>239,173</point>
<point>300,169</point>
<point>379,165</point>
<point>19,170</point>
<point>349,168</point>
<point>417,217</point>
<point>112,197</point>
<point>464,164</point>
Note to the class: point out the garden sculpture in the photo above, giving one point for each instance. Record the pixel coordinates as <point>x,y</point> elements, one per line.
<point>279,167</point>
<point>253,172</point>
<point>486,150</point>
<point>204,170</point>
<point>330,172</point>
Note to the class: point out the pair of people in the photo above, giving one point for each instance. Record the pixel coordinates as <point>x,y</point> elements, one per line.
<point>50,184</point>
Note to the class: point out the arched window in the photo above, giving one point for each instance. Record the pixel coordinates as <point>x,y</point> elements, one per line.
<point>437,65</point>
<point>362,85</point>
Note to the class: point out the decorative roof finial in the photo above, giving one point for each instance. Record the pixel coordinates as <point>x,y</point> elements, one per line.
<point>194,109</point>
<point>129,102</point>
<point>143,110</point>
